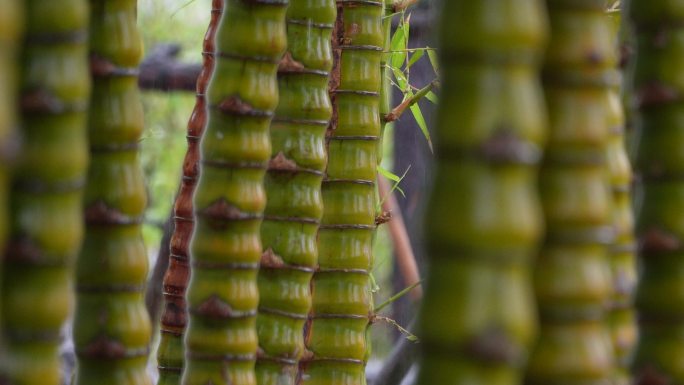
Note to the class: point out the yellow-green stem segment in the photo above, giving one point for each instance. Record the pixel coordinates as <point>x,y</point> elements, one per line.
<point>222,297</point>
<point>46,227</point>
<point>111,326</point>
<point>484,222</point>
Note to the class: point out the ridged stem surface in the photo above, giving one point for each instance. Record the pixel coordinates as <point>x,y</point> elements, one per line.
<point>46,228</point>
<point>622,315</point>
<point>336,332</point>
<point>112,329</point>
<point>11,27</point>
<point>293,189</point>
<point>171,353</point>
<point>484,222</point>
<point>658,87</point>
<point>222,297</point>
<point>573,277</point>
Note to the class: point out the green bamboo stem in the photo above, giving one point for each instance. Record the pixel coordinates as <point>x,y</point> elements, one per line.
<point>47,188</point>
<point>342,305</point>
<point>293,189</point>
<point>658,88</point>
<point>573,279</point>
<point>484,222</point>
<point>111,326</point>
<point>222,297</point>
<point>171,353</point>
<point>622,316</point>
<point>11,25</point>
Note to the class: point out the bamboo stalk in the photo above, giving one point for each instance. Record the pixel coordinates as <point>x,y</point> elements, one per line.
<point>222,297</point>
<point>171,353</point>
<point>658,87</point>
<point>573,278</point>
<point>293,190</point>
<point>336,332</point>
<point>11,25</point>
<point>622,315</point>
<point>47,188</point>
<point>478,322</point>
<point>112,329</point>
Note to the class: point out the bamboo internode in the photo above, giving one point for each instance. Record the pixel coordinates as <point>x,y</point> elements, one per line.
<point>112,329</point>
<point>171,354</point>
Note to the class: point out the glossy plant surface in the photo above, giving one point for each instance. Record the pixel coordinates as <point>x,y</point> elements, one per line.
<point>478,319</point>
<point>573,277</point>
<point>658,87</point>
<point>46,227</point>
<point>293,189</point>
<point>336,333</point>
<point>112,329</point>
<point>222,297</point>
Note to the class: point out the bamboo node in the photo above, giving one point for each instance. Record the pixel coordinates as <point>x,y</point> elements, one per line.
<point>235,105</point>
<point>215,307</point>
<point>656,93</point>
<point>288,64</point>
<point>104,347</point>
<point>505,147</point>
<point>222,209</point>
<point>494,345</point>
<point>651,376</point>
<point>383,217</point>
<point>658,241</point>
<point>271,260</point>
<point>281,163</point>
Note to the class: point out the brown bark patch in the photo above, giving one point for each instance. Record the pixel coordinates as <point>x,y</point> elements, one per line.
<point>105,347</point>
<point>651,376</point>
<point>100,213</point>
<point>215,307</point>
<point>281,163</point>
<point>659,241</point>
<point>383,218</point>
<point>40,100</point>
<point>23,250</point>
<point>288,64</point>
<point>494,345</point>
<point>269,259</point>
<point>235,105</point>
<point>505,147</point>
<point>100,66</point>
<point>656,93</point>
<point>222,209</point>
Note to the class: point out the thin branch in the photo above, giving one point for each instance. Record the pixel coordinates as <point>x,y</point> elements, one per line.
<point>408,102</point>
<point>406,259</point>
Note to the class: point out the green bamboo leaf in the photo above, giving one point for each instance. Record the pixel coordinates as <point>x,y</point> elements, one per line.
<point>417,55</point>
<point>402,81</point>
<point>418,115</point>
<point>432,54</point>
